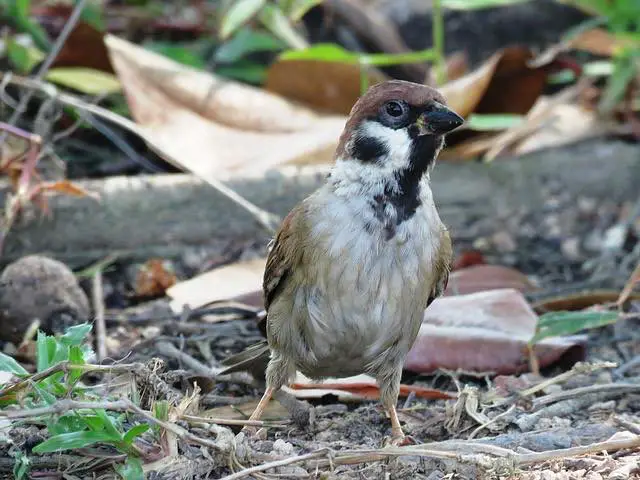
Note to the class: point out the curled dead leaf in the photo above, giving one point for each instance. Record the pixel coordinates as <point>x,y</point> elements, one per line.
<point>154,278</point>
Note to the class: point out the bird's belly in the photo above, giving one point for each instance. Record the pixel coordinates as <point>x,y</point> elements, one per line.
<point>359,312</point>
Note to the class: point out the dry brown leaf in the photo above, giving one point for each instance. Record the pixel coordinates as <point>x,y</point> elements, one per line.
<point>325,86</point>
<point>565,123</point>
<point>505,83</point>
<point>213,126</point>
<point>482,332</point>
<point>154,278</point>
<point>233,282</point>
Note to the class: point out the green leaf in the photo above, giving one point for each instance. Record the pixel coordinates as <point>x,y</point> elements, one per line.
<point>328,52</point>
<point>41,389</point>
<point>296,9</point>
<point>85,80</point>
<point>246,72</point>
<point>45,350</point>
<point>23,57</point>
<point>245,42</point>
<point>493,122</point>
<point>239,13</point>
<point>623,73</point>
<point>134,432</point>
<point>93,14</point>
<point>131,470</point>
<point>76,357</point>
<point>180,53</point>
<point>73,440</point>
<point>9,364</point>
<point>77,334</point>
<point>554,324</point>
<point>110,424</point>
<point>21,465</point>
<point>71,422</point>
<point>275,21</point>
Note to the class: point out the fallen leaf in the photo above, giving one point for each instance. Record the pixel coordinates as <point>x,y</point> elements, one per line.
<point>505,83</point>
<point>360,387</point>
<point>154,278</point>
<point>555,324</point>
<point>325,86</point>
<point>233,282</point>
<point>212,126</point>
<point>480,278</point>
<point>84,48</point>
<point>577,300</point>
<point>566,123</point>
<point>483,332</point>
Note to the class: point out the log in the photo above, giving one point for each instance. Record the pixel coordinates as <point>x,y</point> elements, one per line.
<point>162,215</point>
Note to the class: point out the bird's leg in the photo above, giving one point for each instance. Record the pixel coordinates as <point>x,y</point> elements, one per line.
<point>389,382</point>
<point>279,372</point>
<point>259,410</point>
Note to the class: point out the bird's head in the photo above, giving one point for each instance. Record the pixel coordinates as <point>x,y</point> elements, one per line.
<point>396,126</point>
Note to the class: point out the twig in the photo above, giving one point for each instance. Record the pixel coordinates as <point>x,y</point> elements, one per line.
<point>610,389</point>
<point>492,421</point>
<point>578,369</point>
<point>46,64</point>
<point>229,421</point>
<point>278,463</point>
<point>169,350</point>
<point>98,310</point>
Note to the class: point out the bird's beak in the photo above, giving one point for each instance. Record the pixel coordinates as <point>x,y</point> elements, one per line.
<point>438,120</point>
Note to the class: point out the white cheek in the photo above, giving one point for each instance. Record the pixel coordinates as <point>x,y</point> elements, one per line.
<point>398,144</point>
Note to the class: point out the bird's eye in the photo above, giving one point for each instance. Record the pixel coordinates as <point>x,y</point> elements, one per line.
<point>394,109</point>
<point>394,114</point>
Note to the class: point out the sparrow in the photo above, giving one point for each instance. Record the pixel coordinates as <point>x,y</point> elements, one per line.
<point>354,265</point>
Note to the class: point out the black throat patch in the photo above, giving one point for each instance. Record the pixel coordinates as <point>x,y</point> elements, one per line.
<point>405,200</point>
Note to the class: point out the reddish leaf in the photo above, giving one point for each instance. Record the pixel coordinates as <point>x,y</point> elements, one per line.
<point>483,332</point>
<point>481,278</point>
<point>360,387</point>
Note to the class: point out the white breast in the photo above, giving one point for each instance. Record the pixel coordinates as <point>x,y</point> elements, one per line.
<point>368,291</point>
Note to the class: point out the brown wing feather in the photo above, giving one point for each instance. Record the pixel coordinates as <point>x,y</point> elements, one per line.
<point>284,256</point>
<point>442,267</point>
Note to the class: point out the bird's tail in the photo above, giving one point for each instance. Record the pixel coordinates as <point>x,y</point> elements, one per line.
<point>253,359</point>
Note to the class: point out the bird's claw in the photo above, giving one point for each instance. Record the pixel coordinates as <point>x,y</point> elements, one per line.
<point>253,433</point>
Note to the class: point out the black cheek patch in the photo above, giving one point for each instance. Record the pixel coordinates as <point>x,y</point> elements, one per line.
<point>368,149</point>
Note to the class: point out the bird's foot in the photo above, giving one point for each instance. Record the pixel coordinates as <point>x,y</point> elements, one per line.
<point>399,439</point>
<point>254,433</point>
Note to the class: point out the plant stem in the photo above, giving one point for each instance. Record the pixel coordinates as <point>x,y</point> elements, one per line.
<point>438,42</point>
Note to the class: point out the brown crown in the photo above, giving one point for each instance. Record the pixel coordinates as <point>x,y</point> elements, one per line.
<point>376,96</point>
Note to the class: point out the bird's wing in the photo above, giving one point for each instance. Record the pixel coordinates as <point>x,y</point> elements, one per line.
<point>284,256</point>
<point>442,267</point>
